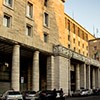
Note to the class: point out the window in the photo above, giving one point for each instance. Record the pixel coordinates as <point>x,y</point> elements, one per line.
<point>46,19</point>
<point>74,49</point>
<point>5,72</point>
<point>6,20</point>
<point>28,30</point>
<point>68,45</point>
<point>8,3</point>
<point>78,43</point>
<point>73,40</point>
<point>29,11</point>
<point>79,50</point>
<point>82,45</point>
<point>73,28</point>
<point>95,47</point>
<point>68,37</point>
<point>45,37</point>
<point>46,3</point>
<point>78,31</point>
<point>69,25</point>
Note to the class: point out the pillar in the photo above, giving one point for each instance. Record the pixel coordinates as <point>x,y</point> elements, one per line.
<point>93,78</point>
<point>83,76</point>
<point>51,74</point>
<point>99,77</point>
<point>35,71</point>
<point>15,79</point>
<point>88,77</point>
<point>77,77</point>
<point>69,77</point>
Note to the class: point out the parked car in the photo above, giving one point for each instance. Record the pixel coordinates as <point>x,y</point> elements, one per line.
<point>46,94</point>
<point>84,92</point>
<point>11,95</point>
<point>96,91</point>
<point>29,95</point>
<point>90,92</point>
<point>77,93</point>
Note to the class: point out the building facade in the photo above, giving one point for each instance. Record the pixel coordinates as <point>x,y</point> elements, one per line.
<point>41,47</point>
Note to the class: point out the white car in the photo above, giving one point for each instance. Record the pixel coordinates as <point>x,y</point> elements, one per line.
<point>11,95</point>
<point>84,92</point>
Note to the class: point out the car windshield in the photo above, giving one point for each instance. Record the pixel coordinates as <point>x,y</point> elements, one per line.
<point>14,93</point>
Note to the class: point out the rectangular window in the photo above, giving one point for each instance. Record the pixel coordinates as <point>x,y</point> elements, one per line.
<point>46,3</point>
<point>6,20</point>
<point>29,11</point>
<point>46,19</point>
<point>78,31</point>
<point>78,43</point>
<point>68,37</point>
<point>69,25</point>
<point>73,40</point>
<point>68,45</point>
<point>45,37</point>
<point>28,30</point>
<point>8,3</point>
<point>73,28</point>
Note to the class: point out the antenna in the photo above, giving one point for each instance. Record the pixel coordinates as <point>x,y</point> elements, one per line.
<point>97,32</point>
<point>93,30</point>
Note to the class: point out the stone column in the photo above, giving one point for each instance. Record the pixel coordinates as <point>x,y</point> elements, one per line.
<point>99,77</point>
<point>77,77</point>
<point>83,76</point>
<point>51,74</point>
<point>35,71</point>
<point>15,79</point>
<point>88,77</point>
<point>69,77</point>
<point>93,78</point>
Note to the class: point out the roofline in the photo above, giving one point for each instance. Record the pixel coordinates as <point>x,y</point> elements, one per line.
<point>79,25</point>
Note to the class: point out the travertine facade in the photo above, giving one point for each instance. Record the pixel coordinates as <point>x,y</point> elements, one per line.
<point>35,52</point>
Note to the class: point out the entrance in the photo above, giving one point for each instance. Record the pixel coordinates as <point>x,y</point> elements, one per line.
<point>43,71</point>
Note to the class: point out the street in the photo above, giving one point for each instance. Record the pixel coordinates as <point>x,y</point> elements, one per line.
<point>84,98</point>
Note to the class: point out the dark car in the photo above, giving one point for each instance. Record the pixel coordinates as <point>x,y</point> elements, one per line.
<point>46,94</point>
<point>96,91</point>
<point>29,95</point>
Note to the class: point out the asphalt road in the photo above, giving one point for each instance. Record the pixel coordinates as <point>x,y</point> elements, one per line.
<point>84,98</point>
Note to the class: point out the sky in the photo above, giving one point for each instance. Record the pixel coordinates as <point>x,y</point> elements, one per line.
<point>86,13</point>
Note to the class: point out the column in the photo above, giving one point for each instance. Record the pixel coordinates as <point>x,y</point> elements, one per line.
<point>15,79</point>
<point>35,71</point>
<point>99,77</point>
<point>51,74</point>
<point>83,76</point>
<point>88,77</point>
<point>93,78</point>
<point>69,77</point>
<point>77,77</point>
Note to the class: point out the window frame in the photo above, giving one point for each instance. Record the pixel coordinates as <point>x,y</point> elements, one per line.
<point>28,30</point>
<point>45,3</point>
<point>45,37</point>
<point>6,20</point>
<point>8,3</point>
<point>29,10</point>
<point>46,19</point>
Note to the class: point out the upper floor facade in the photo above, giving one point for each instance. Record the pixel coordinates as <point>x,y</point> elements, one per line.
<point>42,24</point>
